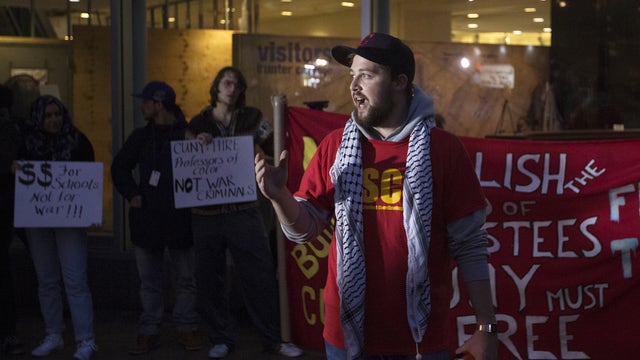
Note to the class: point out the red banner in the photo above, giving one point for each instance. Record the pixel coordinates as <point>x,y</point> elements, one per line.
<point>307,264</point>
<point>563,236</point>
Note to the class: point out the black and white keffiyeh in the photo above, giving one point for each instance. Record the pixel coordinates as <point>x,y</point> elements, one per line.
<point>346,175</point>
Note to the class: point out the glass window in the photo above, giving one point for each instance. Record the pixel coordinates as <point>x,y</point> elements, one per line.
<point>576,57</point>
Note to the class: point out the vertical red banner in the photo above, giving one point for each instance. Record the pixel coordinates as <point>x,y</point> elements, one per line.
<point>307,264</point>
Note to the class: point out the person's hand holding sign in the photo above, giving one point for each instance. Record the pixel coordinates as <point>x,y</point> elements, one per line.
<point>205,138</point>
<point>15,167</point>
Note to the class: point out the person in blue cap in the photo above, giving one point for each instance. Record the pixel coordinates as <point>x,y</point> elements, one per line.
<point>406,200</point>
<point>156,225</point>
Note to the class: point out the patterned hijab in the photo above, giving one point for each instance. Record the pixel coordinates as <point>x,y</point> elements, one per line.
<point>346,175</point>
<point>42,145</point>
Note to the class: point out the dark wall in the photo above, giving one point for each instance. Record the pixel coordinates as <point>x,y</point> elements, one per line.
<point>50,60</point>
<point>593,63</point>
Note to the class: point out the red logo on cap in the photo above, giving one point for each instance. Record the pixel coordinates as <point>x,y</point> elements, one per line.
<point>366,39</point>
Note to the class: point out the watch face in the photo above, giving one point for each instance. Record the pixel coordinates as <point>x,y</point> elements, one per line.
<point>488,328</point>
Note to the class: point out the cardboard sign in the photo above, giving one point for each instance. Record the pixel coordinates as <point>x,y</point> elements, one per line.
<point>58,194</point>
<point>217,173</point>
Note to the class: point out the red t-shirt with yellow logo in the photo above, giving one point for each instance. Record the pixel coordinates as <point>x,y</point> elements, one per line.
<point>456,193</point>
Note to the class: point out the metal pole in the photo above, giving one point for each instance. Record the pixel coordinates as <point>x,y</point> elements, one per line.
<point>176,25</point>
<point>128,73</point>
<point>381,16</point>
<point>165,14</point>
<point>117,114</point>
<point>69,34</point>
<point>374,15</point>
<point>138,58</point>
<point>279,107</point>
<point>227,15</point>
<point>89,20</point>
<point>365,18</point>
<point>215,14</point>
<point>188,15</point>
<point>32,28</point>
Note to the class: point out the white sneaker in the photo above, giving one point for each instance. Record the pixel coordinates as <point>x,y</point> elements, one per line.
<point>85,349</point>
<point>219,351</point>
<point>289,350</point>
<point>50,343</point>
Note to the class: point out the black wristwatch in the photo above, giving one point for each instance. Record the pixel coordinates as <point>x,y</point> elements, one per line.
<point>488,328</point>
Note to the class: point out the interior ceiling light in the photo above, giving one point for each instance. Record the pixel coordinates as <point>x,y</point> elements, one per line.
<point>347,4</point>
<point>286,13</point>
<point>473,16</point>
<point>547,30</point>
<point>562,3</point>
<point>285,0</point>
<point>538,20</point>
<point>529,10</point>
<point>465,63</point>
<point>517,32</point>
<point>84,15</point>
<point>472,26</point>
<point>74,0</point>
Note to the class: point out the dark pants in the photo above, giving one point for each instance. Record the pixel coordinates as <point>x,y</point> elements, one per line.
<point>7,305</point>
<point>242,234</point>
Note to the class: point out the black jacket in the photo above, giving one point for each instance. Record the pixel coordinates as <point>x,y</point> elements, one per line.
<point>9,144</point>
<point>157,224</point>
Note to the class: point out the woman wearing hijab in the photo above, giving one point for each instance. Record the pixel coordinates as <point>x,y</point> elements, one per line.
<point>59,254</point>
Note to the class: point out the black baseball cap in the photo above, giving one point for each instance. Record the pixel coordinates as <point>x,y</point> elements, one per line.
<point>158,91</point>
<point>382,49</point>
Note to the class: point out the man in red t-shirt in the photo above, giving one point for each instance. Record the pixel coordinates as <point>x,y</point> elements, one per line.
<point>406,200</point>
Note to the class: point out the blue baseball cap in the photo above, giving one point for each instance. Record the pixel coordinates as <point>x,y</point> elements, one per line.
<point>158,91</point>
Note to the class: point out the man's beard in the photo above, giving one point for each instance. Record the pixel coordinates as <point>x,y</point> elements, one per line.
<point>375,116</point>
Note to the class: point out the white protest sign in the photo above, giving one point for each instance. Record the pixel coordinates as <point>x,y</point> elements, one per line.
<point>58,194</point>
<point>218,173</point>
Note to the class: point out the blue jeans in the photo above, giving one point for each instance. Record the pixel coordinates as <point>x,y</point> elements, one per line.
<point>60,256</point>
<point>242,234</point>
<point>151,272</point>
<point>334,353</point>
